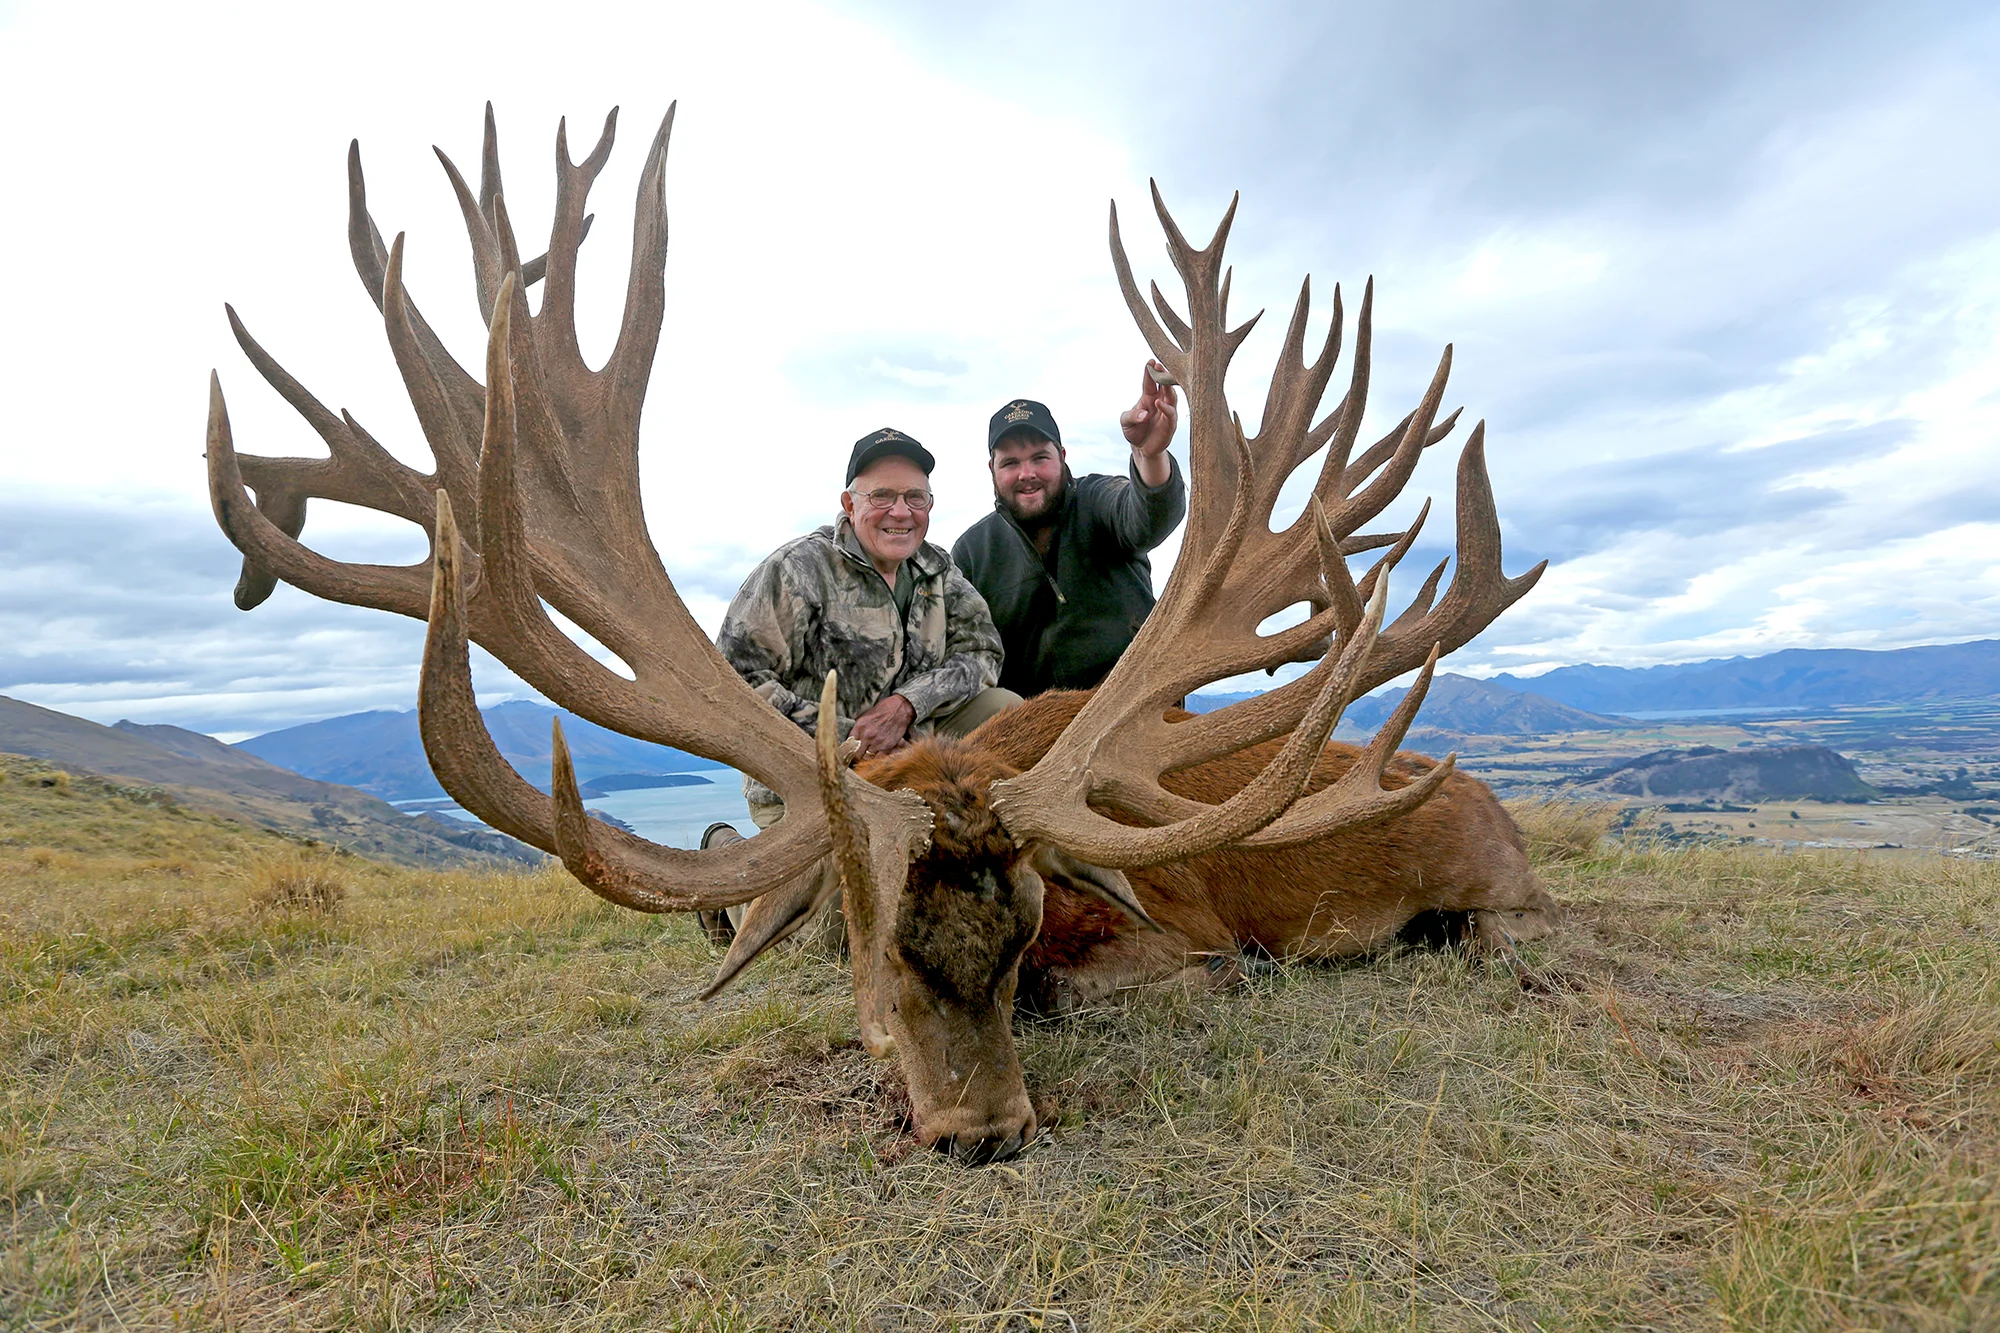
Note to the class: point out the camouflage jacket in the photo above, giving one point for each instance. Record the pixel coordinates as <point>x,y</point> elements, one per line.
<point>816,603</point>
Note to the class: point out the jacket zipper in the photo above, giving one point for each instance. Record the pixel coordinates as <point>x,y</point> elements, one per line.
<point>902,621</point>
<point>1036,556</point>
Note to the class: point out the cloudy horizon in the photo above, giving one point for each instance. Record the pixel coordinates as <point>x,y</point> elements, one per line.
<point>1722,279</point>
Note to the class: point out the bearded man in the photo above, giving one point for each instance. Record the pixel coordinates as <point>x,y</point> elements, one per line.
<point>1061,560</point>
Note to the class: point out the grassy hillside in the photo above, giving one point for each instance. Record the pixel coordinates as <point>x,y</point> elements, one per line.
<point>201,772</point>
<point>1734,1092</point>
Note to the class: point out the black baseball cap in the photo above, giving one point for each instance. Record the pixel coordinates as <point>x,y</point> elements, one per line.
<point>1022,414</point>
<point>886,443</point>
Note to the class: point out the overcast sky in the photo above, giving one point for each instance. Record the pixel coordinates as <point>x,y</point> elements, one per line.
<point>1723,279</point>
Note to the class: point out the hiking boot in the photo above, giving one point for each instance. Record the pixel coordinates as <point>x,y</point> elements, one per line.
<point>717,925</point>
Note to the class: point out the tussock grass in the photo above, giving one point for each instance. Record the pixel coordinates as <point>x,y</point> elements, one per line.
<point>299,880</point>
<point>1560,831</point>
<point>1735,1091</point>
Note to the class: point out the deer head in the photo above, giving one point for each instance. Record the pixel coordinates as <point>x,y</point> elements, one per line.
<point>939,854</point>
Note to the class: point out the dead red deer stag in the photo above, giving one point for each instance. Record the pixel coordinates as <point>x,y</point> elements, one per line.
<point>1241,826</point>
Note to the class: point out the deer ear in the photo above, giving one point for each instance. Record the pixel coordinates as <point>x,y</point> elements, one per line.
<point>1110,886</point>
<point>774,917</point>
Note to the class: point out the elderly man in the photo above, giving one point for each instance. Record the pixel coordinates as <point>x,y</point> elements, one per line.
<point>867,596</point>
<point>1062,560</point>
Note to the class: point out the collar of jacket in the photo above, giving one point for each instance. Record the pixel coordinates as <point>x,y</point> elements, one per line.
<point>929,561</point>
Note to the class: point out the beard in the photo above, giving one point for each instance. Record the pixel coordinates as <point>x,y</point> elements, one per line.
<point>1041,506</point>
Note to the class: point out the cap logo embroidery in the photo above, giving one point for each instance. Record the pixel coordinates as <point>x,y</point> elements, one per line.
<point>884,436</point>
<point>1019,412</point>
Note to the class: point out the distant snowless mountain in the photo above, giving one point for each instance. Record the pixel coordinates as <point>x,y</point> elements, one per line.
<point>1591,698</point>
<point>1795,678</point>
<point>1478,708</point>
<point>382,753</point>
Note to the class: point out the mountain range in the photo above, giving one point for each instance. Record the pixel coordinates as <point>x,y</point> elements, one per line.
<point>1468,707</point>
<point>201,772</point>
<point>382,753</point>
<point>1596,698</point>
<point>1794,678</point>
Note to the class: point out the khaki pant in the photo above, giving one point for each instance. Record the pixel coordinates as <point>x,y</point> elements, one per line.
<point>961,721</point>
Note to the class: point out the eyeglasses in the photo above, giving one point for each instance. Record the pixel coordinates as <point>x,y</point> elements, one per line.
<point>916,501</point>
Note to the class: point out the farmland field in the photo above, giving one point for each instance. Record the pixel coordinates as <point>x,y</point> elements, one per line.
<point>250,1086</point>
<point>1937,763</point>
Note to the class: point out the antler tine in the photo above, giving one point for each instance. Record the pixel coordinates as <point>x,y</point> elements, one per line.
<point>487,268</point>
<point>1170,316</point>
<point>1420,605</point>
<point>449,404</point>
<point>489,164</point>
<point>631,361</point>
<point>628,870</point>
<point>534,270</point>
<point>1322,373</point>
<point>1352,512</point>
<point>1344,422</point>
<point>1380,452</point>
<point>522,635</point>
<point>1400,548</point>
<point>1480,590</point>
<point>286,511</point>
<point>364,241</point>
<point>371,263</point>
<point>849,856</point>
<point>1171,352</point>
<point>557,319</point>
<point>1178,250</point>
<point>530,375</point>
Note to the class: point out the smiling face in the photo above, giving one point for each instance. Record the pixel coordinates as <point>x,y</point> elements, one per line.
<point>1027,476</point>
<point>889,536</point>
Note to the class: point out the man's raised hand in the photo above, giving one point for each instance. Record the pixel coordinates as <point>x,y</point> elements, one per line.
<point>1150,423</point>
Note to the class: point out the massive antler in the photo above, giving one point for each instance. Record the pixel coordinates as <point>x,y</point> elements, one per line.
<point>1234,572</point>
<point>541,463</point>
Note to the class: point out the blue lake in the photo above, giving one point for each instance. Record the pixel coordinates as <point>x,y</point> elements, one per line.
<point>677,815</point>
<point>674,816</point>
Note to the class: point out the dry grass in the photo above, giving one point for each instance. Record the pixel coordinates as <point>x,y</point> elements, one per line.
<point>1561,831</point>
<point>1734,1092</point>
<point>299,881</point>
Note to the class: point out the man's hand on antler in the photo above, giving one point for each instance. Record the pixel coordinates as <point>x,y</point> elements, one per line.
<point>1150,423</point>
<point>885,727</point>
